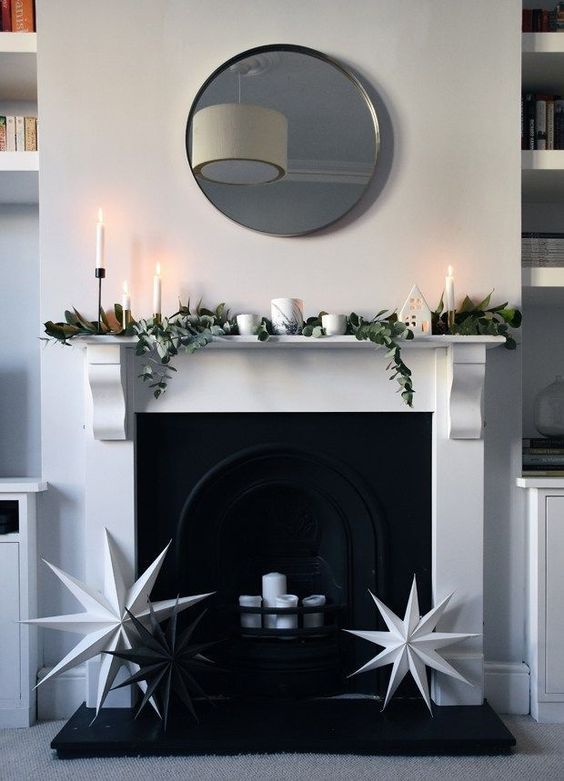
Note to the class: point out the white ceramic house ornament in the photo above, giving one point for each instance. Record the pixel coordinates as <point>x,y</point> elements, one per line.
<point>415,313</point>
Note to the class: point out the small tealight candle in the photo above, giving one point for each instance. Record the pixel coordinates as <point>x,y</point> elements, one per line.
<point>100,238</point>
<point>157,290</point>
<point>287,620</point>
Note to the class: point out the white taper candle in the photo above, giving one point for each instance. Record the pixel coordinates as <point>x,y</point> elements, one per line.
<point>100,239</point>
<point>157,290</point>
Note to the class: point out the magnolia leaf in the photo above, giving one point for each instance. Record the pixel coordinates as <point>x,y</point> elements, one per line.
<point>467,305</point>
<point>86,324</point>
<point>485,303</point>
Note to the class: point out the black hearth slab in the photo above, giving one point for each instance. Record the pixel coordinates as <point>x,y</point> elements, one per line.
<point>320,726</point>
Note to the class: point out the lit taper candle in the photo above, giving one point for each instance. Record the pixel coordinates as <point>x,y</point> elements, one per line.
<point>100,270</point>
<point>126,306</point>
<point>100,239</point>
<point>157,290</point>
<point>449,296</point>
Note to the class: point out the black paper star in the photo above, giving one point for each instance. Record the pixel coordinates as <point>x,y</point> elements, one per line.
<point>166,661</point>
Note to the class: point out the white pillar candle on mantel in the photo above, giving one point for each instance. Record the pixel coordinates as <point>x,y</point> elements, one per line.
<point>273,585</point>
<point>100,240</point>
<point>449,290</point>
<point>313,619</point>
<point>250,620</point>
<point>157,290</point>
<point>288,620</point>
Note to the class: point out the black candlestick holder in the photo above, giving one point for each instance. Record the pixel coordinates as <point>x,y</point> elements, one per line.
<point>100,274</point>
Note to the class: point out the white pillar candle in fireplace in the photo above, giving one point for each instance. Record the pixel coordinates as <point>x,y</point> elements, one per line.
<point>290,620</point>
<point>273,585</point>
<point>313,619</point>
<point>250,620</point>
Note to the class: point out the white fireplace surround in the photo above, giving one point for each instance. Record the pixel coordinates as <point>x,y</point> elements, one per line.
<point>294,374</point>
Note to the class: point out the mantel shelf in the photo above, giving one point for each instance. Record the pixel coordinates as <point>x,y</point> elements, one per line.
<point>466,366</point>
<point>308,343</point>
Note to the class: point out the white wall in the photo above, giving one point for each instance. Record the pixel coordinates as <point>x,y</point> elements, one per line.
<point>116,81</point>
<point>20,428</point>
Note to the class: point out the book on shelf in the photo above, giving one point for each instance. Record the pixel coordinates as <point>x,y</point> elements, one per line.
<point>20,134</point>
<point>5,16</point>
<point>542,121</point>
<point>543,20</point>
<point>543,473</point>
<point>546,461</point>
<point>542,249</point>
<point>546,443</point>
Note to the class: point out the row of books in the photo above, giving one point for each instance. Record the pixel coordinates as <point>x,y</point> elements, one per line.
<point>18,134</point>
<point>17,16</point>
<point>543,457</point>
<point>542,121</point>
<point>540,20</point>
<point>542,249</point>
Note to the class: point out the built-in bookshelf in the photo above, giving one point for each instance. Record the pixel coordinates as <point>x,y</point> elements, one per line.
<point>18,95</point>
<point>543,212</point>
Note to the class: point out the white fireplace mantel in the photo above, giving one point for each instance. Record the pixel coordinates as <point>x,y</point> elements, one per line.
<point>466,364</point>
<point>300,375</point>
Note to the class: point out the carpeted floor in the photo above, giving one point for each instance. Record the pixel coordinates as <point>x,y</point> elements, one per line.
<point>25,756</point>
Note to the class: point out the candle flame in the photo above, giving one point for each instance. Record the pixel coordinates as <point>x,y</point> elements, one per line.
<point>100,215</point>
<point>125,288</point>
<point>158,270</point>
<point>450,272</point>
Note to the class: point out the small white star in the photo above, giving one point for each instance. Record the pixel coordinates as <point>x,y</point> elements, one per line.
<point>106,623</point>
<point>411,645</point>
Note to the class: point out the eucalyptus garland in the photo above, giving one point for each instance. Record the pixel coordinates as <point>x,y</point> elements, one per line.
<point>160,340</point>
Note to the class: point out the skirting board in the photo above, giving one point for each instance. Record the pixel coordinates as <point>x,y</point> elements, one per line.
<point>61,696</point>
<point>507,686</point>
<point>506,689</point>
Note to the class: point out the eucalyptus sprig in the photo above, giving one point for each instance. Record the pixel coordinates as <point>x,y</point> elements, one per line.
<point>160,341</point>
<point>479,319</point>
<point>384,330</point>
<point>387,331</point>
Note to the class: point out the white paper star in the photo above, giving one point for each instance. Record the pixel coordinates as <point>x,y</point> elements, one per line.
<point>411,645</point>
<point>106,623</point>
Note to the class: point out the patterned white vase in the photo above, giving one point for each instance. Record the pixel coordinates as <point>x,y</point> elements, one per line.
<point>287,316</point>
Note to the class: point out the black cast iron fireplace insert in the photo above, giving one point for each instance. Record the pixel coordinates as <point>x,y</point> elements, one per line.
<point>339,502</point>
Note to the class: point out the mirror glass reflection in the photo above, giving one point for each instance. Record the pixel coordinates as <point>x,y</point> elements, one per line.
<point>282,140</point>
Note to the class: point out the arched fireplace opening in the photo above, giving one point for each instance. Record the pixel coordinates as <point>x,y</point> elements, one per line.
<point>338,503</point>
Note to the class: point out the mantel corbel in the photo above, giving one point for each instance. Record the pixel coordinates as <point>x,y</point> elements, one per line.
<point>107,380</point>
<point>466,377</point>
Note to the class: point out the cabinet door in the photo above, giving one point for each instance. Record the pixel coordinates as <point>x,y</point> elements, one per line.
<point>10,665</point>
<point>554,595</point>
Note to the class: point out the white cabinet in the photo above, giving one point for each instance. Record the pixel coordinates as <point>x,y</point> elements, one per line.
<point>545,583</point>
<point>18,601</point>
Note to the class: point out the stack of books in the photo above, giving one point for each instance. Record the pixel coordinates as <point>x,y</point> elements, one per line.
<point>541,20</point>
<point>17,16</point>
<point>542,121</point>
<point>18,134</point>
<point>543,457</point>
<point>542,249</point>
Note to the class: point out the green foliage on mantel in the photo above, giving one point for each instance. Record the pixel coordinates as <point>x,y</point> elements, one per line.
<point>160,340</point>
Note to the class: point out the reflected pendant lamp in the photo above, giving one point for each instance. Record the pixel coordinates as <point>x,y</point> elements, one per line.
<point>239,143</point>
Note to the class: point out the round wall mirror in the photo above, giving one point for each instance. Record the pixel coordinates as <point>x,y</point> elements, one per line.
<point>282,139</point>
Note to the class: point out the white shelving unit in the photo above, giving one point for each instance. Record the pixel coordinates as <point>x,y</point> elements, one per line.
<point>18,84</point>
<point>543,297</point>
<point>18,585</point>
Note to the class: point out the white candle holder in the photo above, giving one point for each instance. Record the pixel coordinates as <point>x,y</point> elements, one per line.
<point>287,315</point>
